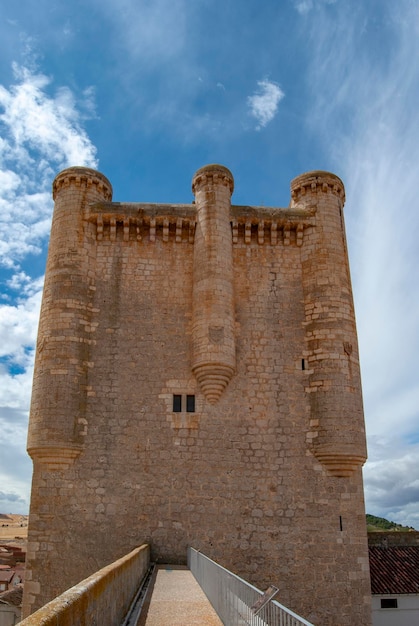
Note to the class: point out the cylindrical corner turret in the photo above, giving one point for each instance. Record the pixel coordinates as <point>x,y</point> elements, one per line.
<point>213,341</point>
<point>57,418</point>
<point>334,384</point>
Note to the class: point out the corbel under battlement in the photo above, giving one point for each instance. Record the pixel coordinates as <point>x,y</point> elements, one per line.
<point>269,226</point>
<point>177,223</point>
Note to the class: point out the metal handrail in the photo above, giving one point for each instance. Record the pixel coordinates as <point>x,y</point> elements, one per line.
<point>235,600</point>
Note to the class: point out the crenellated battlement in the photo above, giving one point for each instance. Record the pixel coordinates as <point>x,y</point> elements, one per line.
<point>82,177</point>
<point>212,174</point>
<point>314,183</point>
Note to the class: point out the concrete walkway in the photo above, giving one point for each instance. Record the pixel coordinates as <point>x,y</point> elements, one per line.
<point>178,600</point>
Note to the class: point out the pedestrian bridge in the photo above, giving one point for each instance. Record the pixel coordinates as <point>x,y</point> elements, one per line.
<point>134,592</point>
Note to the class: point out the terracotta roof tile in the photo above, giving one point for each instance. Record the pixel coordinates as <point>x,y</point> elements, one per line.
<point>394,569</point>
<point>7,575</point>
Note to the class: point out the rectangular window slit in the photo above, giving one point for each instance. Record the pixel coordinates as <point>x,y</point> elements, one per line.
<point>303,364</point>
<point>190,404</point>
<point>340,522</point>
<point>389,603</point>
<point>177,403</point>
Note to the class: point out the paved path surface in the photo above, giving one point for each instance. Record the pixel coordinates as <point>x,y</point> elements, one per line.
<point>178,600</point>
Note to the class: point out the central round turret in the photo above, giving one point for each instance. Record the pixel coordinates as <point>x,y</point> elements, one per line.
<point>213,341</point>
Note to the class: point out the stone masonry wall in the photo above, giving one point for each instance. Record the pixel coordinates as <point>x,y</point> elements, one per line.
<point>265,478</point>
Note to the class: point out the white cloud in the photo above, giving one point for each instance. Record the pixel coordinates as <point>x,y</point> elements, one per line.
<point>20,282</point>
<point>9,182</point>
<point>10,498</point>
<point>392,480</point>
<point>41,134</point>
<point>18,327</point>
<point>155,31</point>
<point>304,6</point>
<point>46,124</point>
<point>263,104</point>
<point>15,464</point>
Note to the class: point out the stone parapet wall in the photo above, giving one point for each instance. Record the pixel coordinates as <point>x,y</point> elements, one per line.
<point>393,539</point>
<point>104,598</point>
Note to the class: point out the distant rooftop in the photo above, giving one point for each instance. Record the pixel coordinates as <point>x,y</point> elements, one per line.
<point>394,569</point>
<point>12,597</point>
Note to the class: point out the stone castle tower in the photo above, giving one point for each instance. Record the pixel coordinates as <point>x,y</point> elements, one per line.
<point>197,383</point>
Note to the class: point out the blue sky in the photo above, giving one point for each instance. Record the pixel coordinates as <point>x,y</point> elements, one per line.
<point>148,91</point>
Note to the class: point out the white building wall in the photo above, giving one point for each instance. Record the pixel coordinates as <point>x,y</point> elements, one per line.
<point>406,614</point>
<point>9,615</point>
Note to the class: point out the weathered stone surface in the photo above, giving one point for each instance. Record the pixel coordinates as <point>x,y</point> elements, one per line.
<point>249,310</point>
<point>104,598</point>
